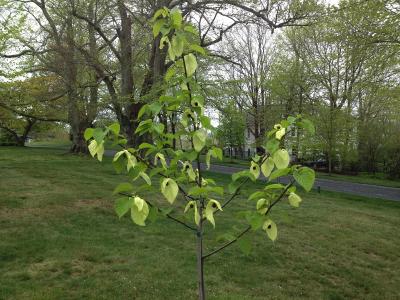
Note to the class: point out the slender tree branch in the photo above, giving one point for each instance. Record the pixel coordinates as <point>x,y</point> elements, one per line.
<point>247,229</point>
<point>229,243</point>
<point>237,192</point>
<point>31,116</point>
<point>100,32</point>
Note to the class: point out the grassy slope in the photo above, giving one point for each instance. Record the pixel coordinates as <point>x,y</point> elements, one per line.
<point>61,239</point>
<point>365,178</point>
<point>362,178</point>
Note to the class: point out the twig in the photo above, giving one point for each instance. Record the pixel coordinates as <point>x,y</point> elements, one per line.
<point>228,244</point>
<point>249,227</point>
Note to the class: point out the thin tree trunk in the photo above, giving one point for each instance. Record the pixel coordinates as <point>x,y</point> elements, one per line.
<point>200,260</point>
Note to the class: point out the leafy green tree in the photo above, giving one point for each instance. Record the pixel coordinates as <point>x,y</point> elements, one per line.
<point>24,104</point>
<point>231,128</point>
<point>178,174</point>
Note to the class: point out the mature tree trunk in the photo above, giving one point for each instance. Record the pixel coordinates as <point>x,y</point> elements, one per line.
<point>94,87</point>
<point>126,61</point>
<point>70,77</point>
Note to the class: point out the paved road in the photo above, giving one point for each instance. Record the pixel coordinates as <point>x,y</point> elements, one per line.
<point>368,190</point>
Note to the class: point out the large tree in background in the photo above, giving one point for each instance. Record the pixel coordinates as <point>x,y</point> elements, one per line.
<point>26,104</point>
<point>344,72</point>
<point>110,42</point>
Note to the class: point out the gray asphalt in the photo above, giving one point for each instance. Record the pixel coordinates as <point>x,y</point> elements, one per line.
<point>366,190</point>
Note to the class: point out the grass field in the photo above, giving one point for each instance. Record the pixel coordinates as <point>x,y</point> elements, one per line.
<point>362,177</point>
<point>60,239</point>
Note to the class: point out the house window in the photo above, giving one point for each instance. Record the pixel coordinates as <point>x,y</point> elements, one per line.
<point>248,133</point>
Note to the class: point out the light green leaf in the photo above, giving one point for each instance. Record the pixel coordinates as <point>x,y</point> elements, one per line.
<point>305,177</point>
<point>255,220</point>
<point>142,111</point>
<point>198,49</point>
<point>169,189</point>
<point>171,52</point>
<point>88,133</point>
<point>281,158</point>
<point>190,28</point>
<point>280,133</point>
<point>170,73</point>
<point>100,151</point>
<point>118,154</point>
<point>96,149</point>
<point>218,153</point>
<point>160,12</point>
<point>206,122</point>
<point>122,206</point>
<point>256,158</point>
<point>208,159</point>
<point>190,63</point>
<point>131,161</point>
<point>157,27</point>
<point>262,205</point>
<point>211,207</point>
<point>92,148</point>
<point>197,217</point>
<point>267,166</point>
<point>188,168</point>
<point>115,128</point>
<point>278,173</point>
<point>176,17</point>
<point>146,146</point>
<point>139,211</point>
<point>255,169</point>
<point>291,120</point>
<point>177,45</point>
<point>199,140</point>
<point>139,202</point>
<point>294,200</point>
<point>271,229</point>
<point>123,187</point>
<point>160,157</point>
<point>98,135</point>
<point>197,191</point>
<point>272,145</point>
<point>216,189</point>
<point>256,195</point>
<point>274,186</point>
<point>189,205</point>
<point>233,186</point>
<point>244,173</point>
<point>193,205</point>
<point>145,177</point>
<point>155,108</point>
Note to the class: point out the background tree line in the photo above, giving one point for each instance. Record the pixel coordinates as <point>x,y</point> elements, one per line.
<point>341,70</point>
<point>76,63</point>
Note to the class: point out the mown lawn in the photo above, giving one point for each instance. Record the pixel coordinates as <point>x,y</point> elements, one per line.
<point>60,239</point>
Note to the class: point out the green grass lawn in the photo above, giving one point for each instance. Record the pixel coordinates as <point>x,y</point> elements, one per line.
<point>363,177</point>
<point>60,239</point>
